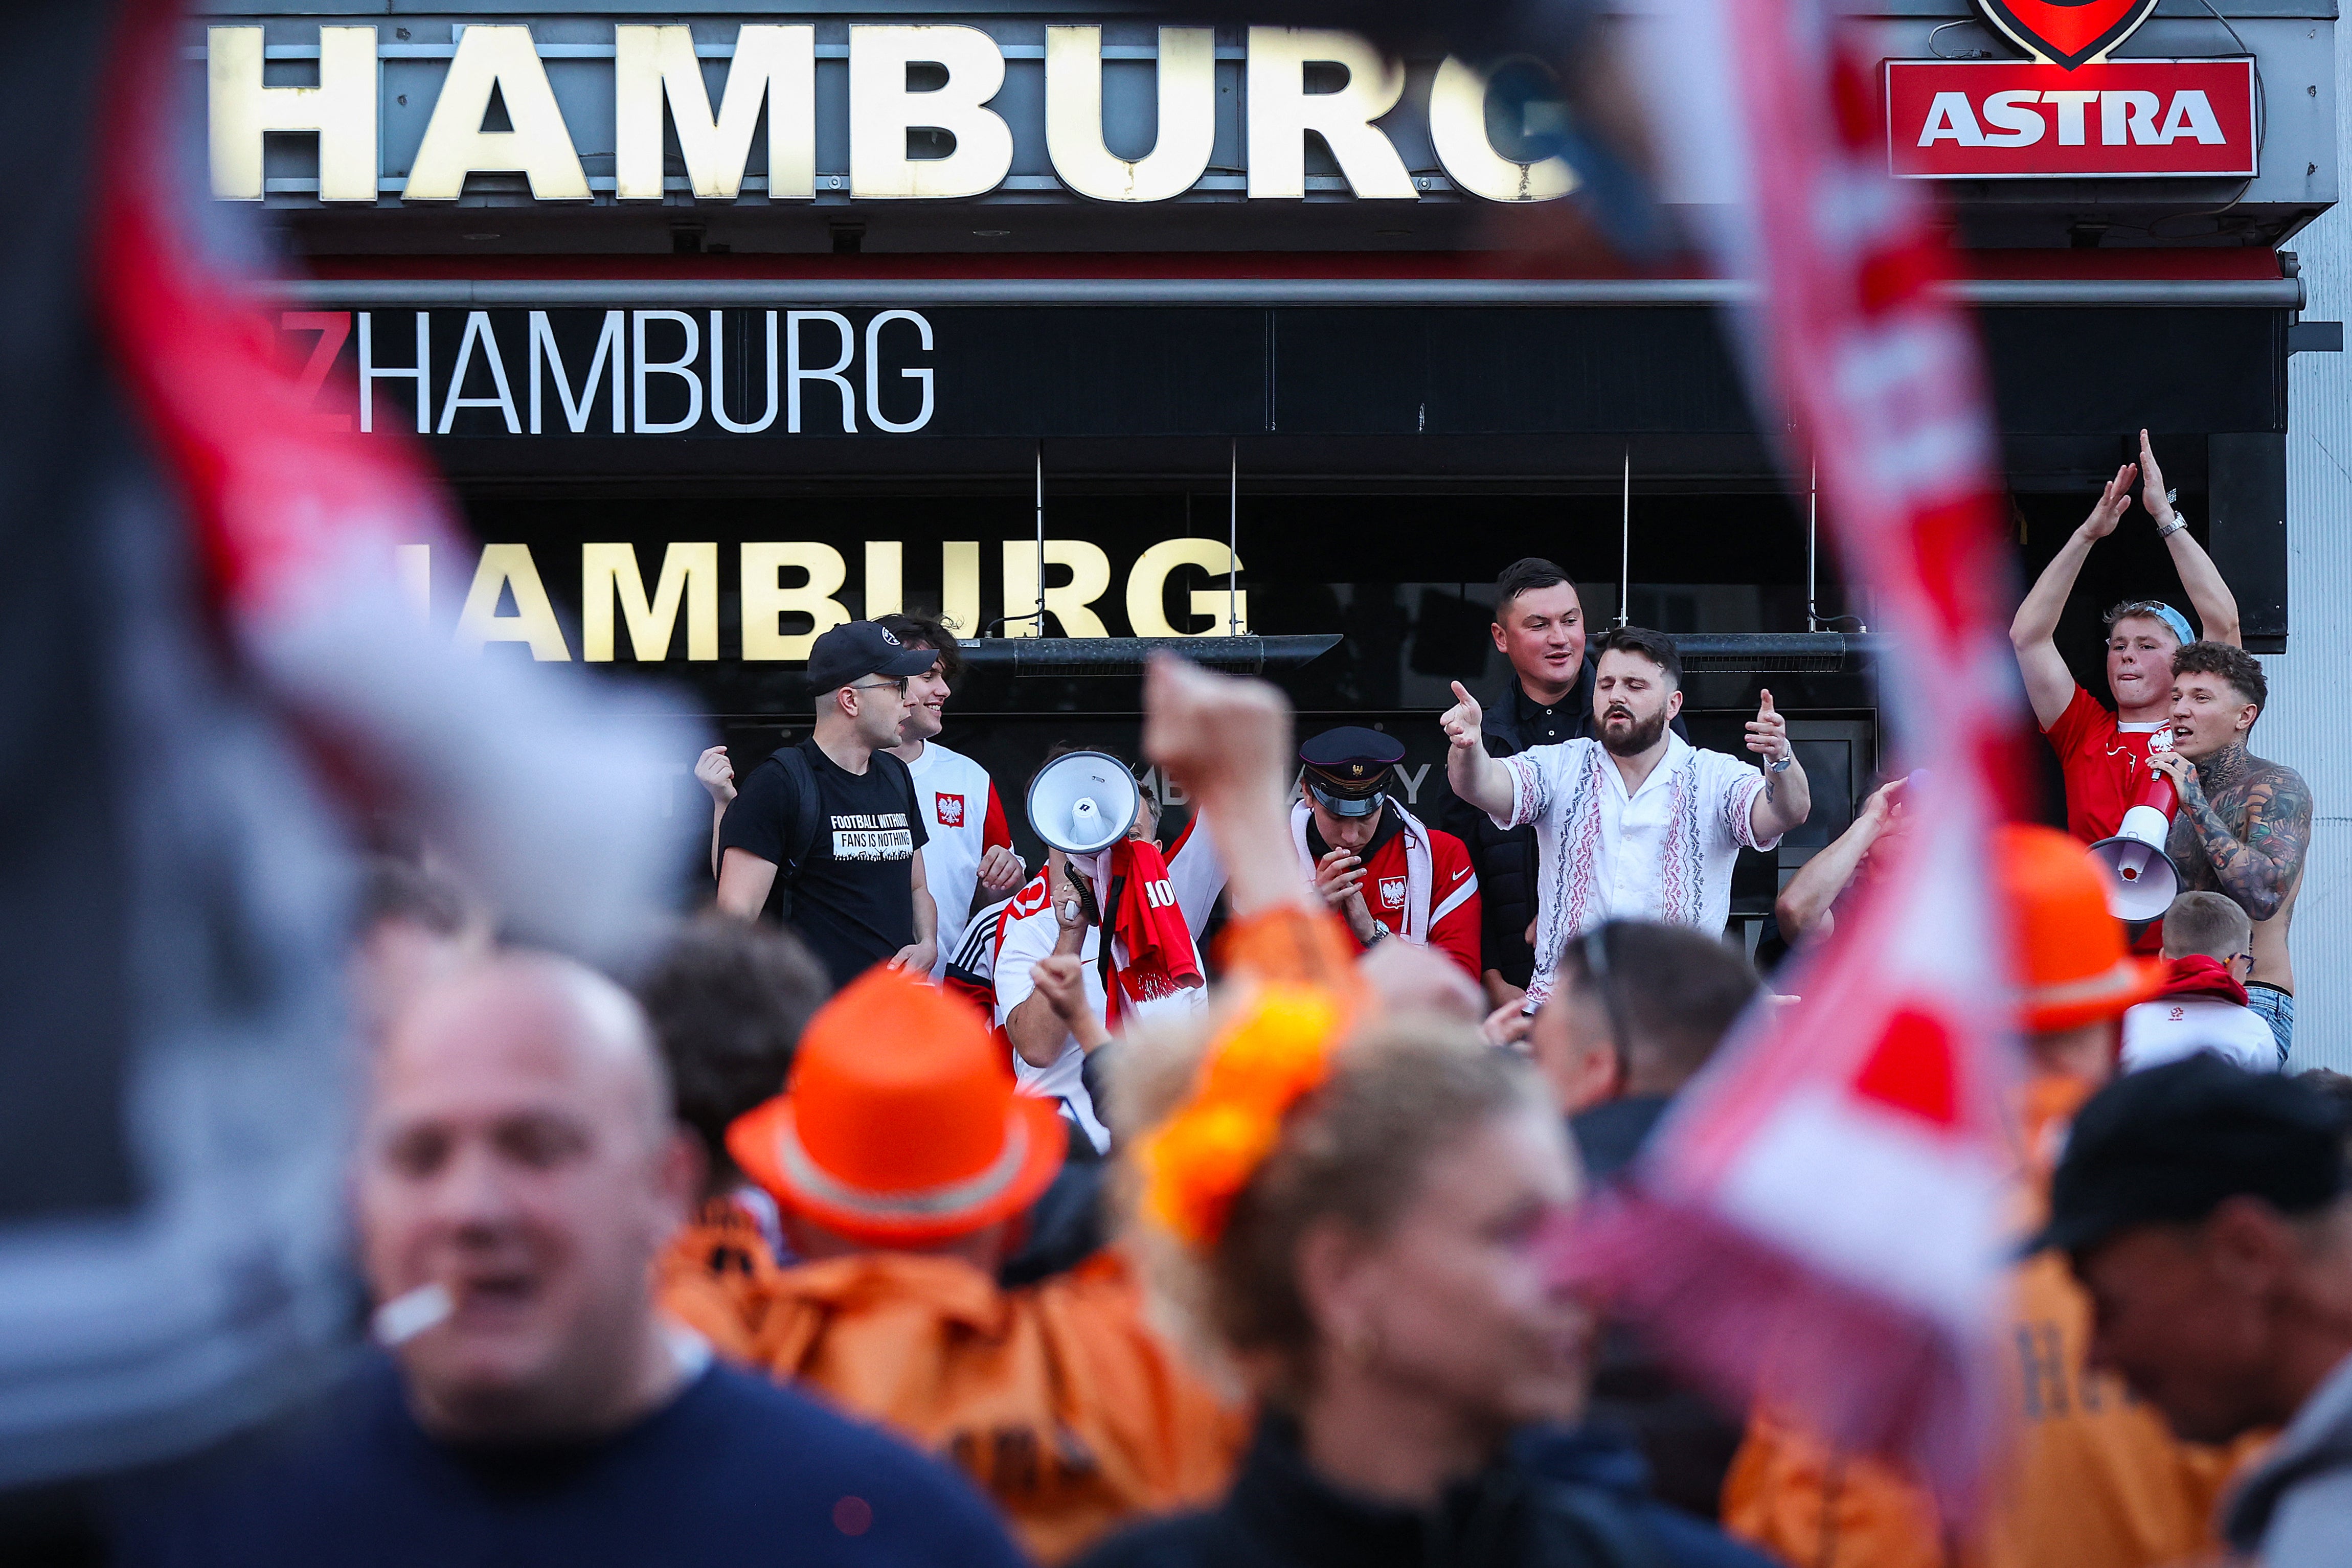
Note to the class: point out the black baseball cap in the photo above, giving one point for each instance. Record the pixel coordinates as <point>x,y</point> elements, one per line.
<point>856,649</point>
<point>2166,1146</point>
<point>1348,767</point>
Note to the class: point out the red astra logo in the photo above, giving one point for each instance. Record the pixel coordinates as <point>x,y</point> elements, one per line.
<point>950,810</point>
<point>2066,33</point>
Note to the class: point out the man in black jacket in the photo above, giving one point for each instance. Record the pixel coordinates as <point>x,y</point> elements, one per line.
<point>1539,627</point>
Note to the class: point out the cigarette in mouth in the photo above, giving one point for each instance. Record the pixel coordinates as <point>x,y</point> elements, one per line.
<point>410,1314</point>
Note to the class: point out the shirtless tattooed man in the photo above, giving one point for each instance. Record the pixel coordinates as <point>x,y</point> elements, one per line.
<point>2244,823</point>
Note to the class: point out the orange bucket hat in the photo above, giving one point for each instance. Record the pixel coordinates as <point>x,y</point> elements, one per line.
<point>900,1126</point>
<point>2068,950</point>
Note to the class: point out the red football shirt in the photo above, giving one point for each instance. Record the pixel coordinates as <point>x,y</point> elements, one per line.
<point>1453,895</point>
<point>2105,765</point>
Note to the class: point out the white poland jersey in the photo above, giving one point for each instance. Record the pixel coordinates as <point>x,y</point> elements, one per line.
<point>961,809</point>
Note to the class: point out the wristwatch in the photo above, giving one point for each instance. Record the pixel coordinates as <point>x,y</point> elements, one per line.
<point>1379,934</point>
<point>2166,530</point>
<point>1781,765</point>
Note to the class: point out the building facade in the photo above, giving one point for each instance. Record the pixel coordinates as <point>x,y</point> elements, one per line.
<point>728,324</point>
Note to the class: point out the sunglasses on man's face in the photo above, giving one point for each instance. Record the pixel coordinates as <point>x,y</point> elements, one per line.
<point>898,686</point>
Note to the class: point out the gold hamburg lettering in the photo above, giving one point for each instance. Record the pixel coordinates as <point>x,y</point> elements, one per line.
<point>618,609</point>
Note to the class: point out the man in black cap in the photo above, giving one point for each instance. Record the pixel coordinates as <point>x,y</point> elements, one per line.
<point>1384,872</point>
<point>2205,1209</point>
<point>823,835</point>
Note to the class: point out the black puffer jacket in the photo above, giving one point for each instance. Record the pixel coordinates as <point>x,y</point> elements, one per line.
<point>1557,1497</point>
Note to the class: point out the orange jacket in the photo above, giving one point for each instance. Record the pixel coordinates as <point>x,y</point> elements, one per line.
<point>2091,1479</point>
<point>1057,1398</point>
<point>715,1277</point>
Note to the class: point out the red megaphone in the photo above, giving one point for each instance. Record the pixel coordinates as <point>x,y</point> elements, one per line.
<point>2141,878</point>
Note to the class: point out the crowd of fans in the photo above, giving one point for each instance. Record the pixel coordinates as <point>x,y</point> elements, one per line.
<point>1168,1247</point>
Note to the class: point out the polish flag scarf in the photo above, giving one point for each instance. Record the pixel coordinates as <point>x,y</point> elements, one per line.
<point>1147,950</point>
<point>1822,1211</point>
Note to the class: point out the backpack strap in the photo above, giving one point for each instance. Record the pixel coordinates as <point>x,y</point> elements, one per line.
<point>802,846</point>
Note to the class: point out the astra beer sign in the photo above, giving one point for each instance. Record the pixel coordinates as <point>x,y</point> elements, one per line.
<point>2070,110</point>
<point>2024,120</point>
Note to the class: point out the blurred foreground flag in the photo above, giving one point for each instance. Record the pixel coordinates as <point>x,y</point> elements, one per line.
<point>216,678</point>
<point>1823,1209</point>
<point>1821,1217</point>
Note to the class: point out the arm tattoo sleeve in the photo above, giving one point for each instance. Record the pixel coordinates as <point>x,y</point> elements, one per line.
<point>2258,869</point>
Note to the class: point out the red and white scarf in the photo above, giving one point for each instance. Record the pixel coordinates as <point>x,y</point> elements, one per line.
<point>1419,879</point>
<point>1150,947</point>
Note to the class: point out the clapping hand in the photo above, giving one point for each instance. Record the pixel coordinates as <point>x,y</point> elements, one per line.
<point>2152,494</point>
<point>2113,503</point>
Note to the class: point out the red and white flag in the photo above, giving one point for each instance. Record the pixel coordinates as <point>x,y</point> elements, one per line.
<point>540,783</point>
<point>1822,1214</point>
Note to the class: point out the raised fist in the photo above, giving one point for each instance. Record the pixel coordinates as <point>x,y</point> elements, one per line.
<point>1214,734</point>
<point>716,774</point>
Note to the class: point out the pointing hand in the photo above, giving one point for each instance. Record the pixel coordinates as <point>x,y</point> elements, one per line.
<point>1462,720</point>
<point>1768,732</point>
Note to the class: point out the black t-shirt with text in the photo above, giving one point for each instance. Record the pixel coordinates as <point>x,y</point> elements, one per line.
<point>854,902</point>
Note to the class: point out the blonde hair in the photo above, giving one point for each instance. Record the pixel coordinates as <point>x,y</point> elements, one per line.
<point>2207,923</point>
<point>1352,1152</point>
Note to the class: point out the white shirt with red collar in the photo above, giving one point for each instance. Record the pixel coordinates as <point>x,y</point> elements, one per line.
<point>1418,882</point>
<point>1664,853</point>
<point>1028,932</point>
<point>965,819</point>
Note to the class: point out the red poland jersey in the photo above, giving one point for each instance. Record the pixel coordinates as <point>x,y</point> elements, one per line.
<point>965,818</point>
<point>1439,909</point>
<point>2105,764</point>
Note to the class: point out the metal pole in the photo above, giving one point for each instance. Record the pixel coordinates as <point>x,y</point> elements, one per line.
<point>1625,545</point>
<point>1041,539</point>
<point>1234,539</point>
<point>1813,536</point>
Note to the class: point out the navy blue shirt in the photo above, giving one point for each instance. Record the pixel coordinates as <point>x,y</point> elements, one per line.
<point>734,1472</point>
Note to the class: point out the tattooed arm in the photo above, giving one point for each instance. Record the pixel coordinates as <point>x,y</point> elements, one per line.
<point>2250,821</point>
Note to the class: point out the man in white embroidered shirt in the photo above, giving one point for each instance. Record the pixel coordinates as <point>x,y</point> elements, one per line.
<point>1638,824</point>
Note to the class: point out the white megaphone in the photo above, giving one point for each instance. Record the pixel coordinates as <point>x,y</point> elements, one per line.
<point>2141,878</point>
<point>1083,801</point>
